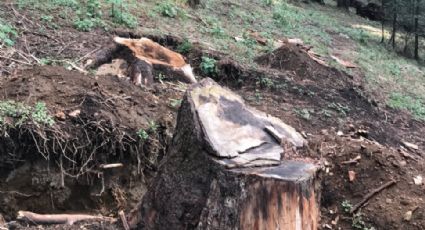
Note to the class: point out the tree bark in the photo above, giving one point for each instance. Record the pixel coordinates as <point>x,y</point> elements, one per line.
<point>383,23</point>
<point>417,29</point>
<point>226,169</point>
<point>343,4</point>
<point>194,3</point>
<point>393,34</point>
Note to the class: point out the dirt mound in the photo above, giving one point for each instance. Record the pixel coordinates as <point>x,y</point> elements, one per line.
<point>91,122</point>
<point>291,57</point>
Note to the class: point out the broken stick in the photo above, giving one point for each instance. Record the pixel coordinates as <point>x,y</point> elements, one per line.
<point>371,194</point>
<point>58,218</point>
<point>123,220</point>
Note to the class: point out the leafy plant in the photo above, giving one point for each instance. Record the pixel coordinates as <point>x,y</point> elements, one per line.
<point>153,126</point>
<point>7,33</point>
<point>85,24</point>
<point>346,206</point>
<point>185,47</point>
<point>120,15</point>
<point>209,66</point>
<point>142,134</point>
<point>40,114</point>
<point>358,223</point>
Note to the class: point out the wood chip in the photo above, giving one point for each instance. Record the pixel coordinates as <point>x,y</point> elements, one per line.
<point>351,176</point>
<point>74,113</point>
<point>410,146</point>
<point>60,115</point>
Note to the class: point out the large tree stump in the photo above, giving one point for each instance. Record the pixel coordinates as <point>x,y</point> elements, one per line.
<point>225,170</point>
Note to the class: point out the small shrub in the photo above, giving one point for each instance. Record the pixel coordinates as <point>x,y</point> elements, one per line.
<point>208,66</point>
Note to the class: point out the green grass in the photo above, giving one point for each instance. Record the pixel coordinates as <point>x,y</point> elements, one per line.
<point>414,105</point>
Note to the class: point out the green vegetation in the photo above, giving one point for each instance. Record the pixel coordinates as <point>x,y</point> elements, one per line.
<point>208,66</point>
<point>185,47</point>
<point>168,9</point>
<point>7,33</point>
<point>346,206</point>
<point>414,105</point>
<point>306,114</point>
<point>358,223</point>
<point>16,113</point>
<point>142,134</point>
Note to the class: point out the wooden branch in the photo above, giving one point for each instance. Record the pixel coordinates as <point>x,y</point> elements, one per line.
<point>123,220</point>
<point>58,218</point>
<point>372,194</point>
<point>108,166</point>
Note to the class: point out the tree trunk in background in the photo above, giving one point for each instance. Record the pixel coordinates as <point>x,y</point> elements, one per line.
<point>383,23</point>
<point>226,169</point>
<point>194,3</point>
<point>417,29</point>
<point>343,4</point>
<point>393,35</point>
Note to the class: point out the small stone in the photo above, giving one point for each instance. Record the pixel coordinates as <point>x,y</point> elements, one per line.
<point>389,201</point>
<point>417,180</point>
<point>403,163</point>
<point>339,133</point>
<point>408,216</point>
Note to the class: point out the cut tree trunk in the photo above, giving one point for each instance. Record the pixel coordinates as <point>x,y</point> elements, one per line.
<point>226,170</point>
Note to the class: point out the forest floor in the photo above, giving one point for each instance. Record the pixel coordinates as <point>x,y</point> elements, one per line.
<point>350,117</point>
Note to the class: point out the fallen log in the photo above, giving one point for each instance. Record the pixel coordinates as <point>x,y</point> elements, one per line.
<point>224,170</point>
<point>70,219</point>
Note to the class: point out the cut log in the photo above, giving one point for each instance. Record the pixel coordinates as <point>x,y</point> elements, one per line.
<point>224,170</point>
